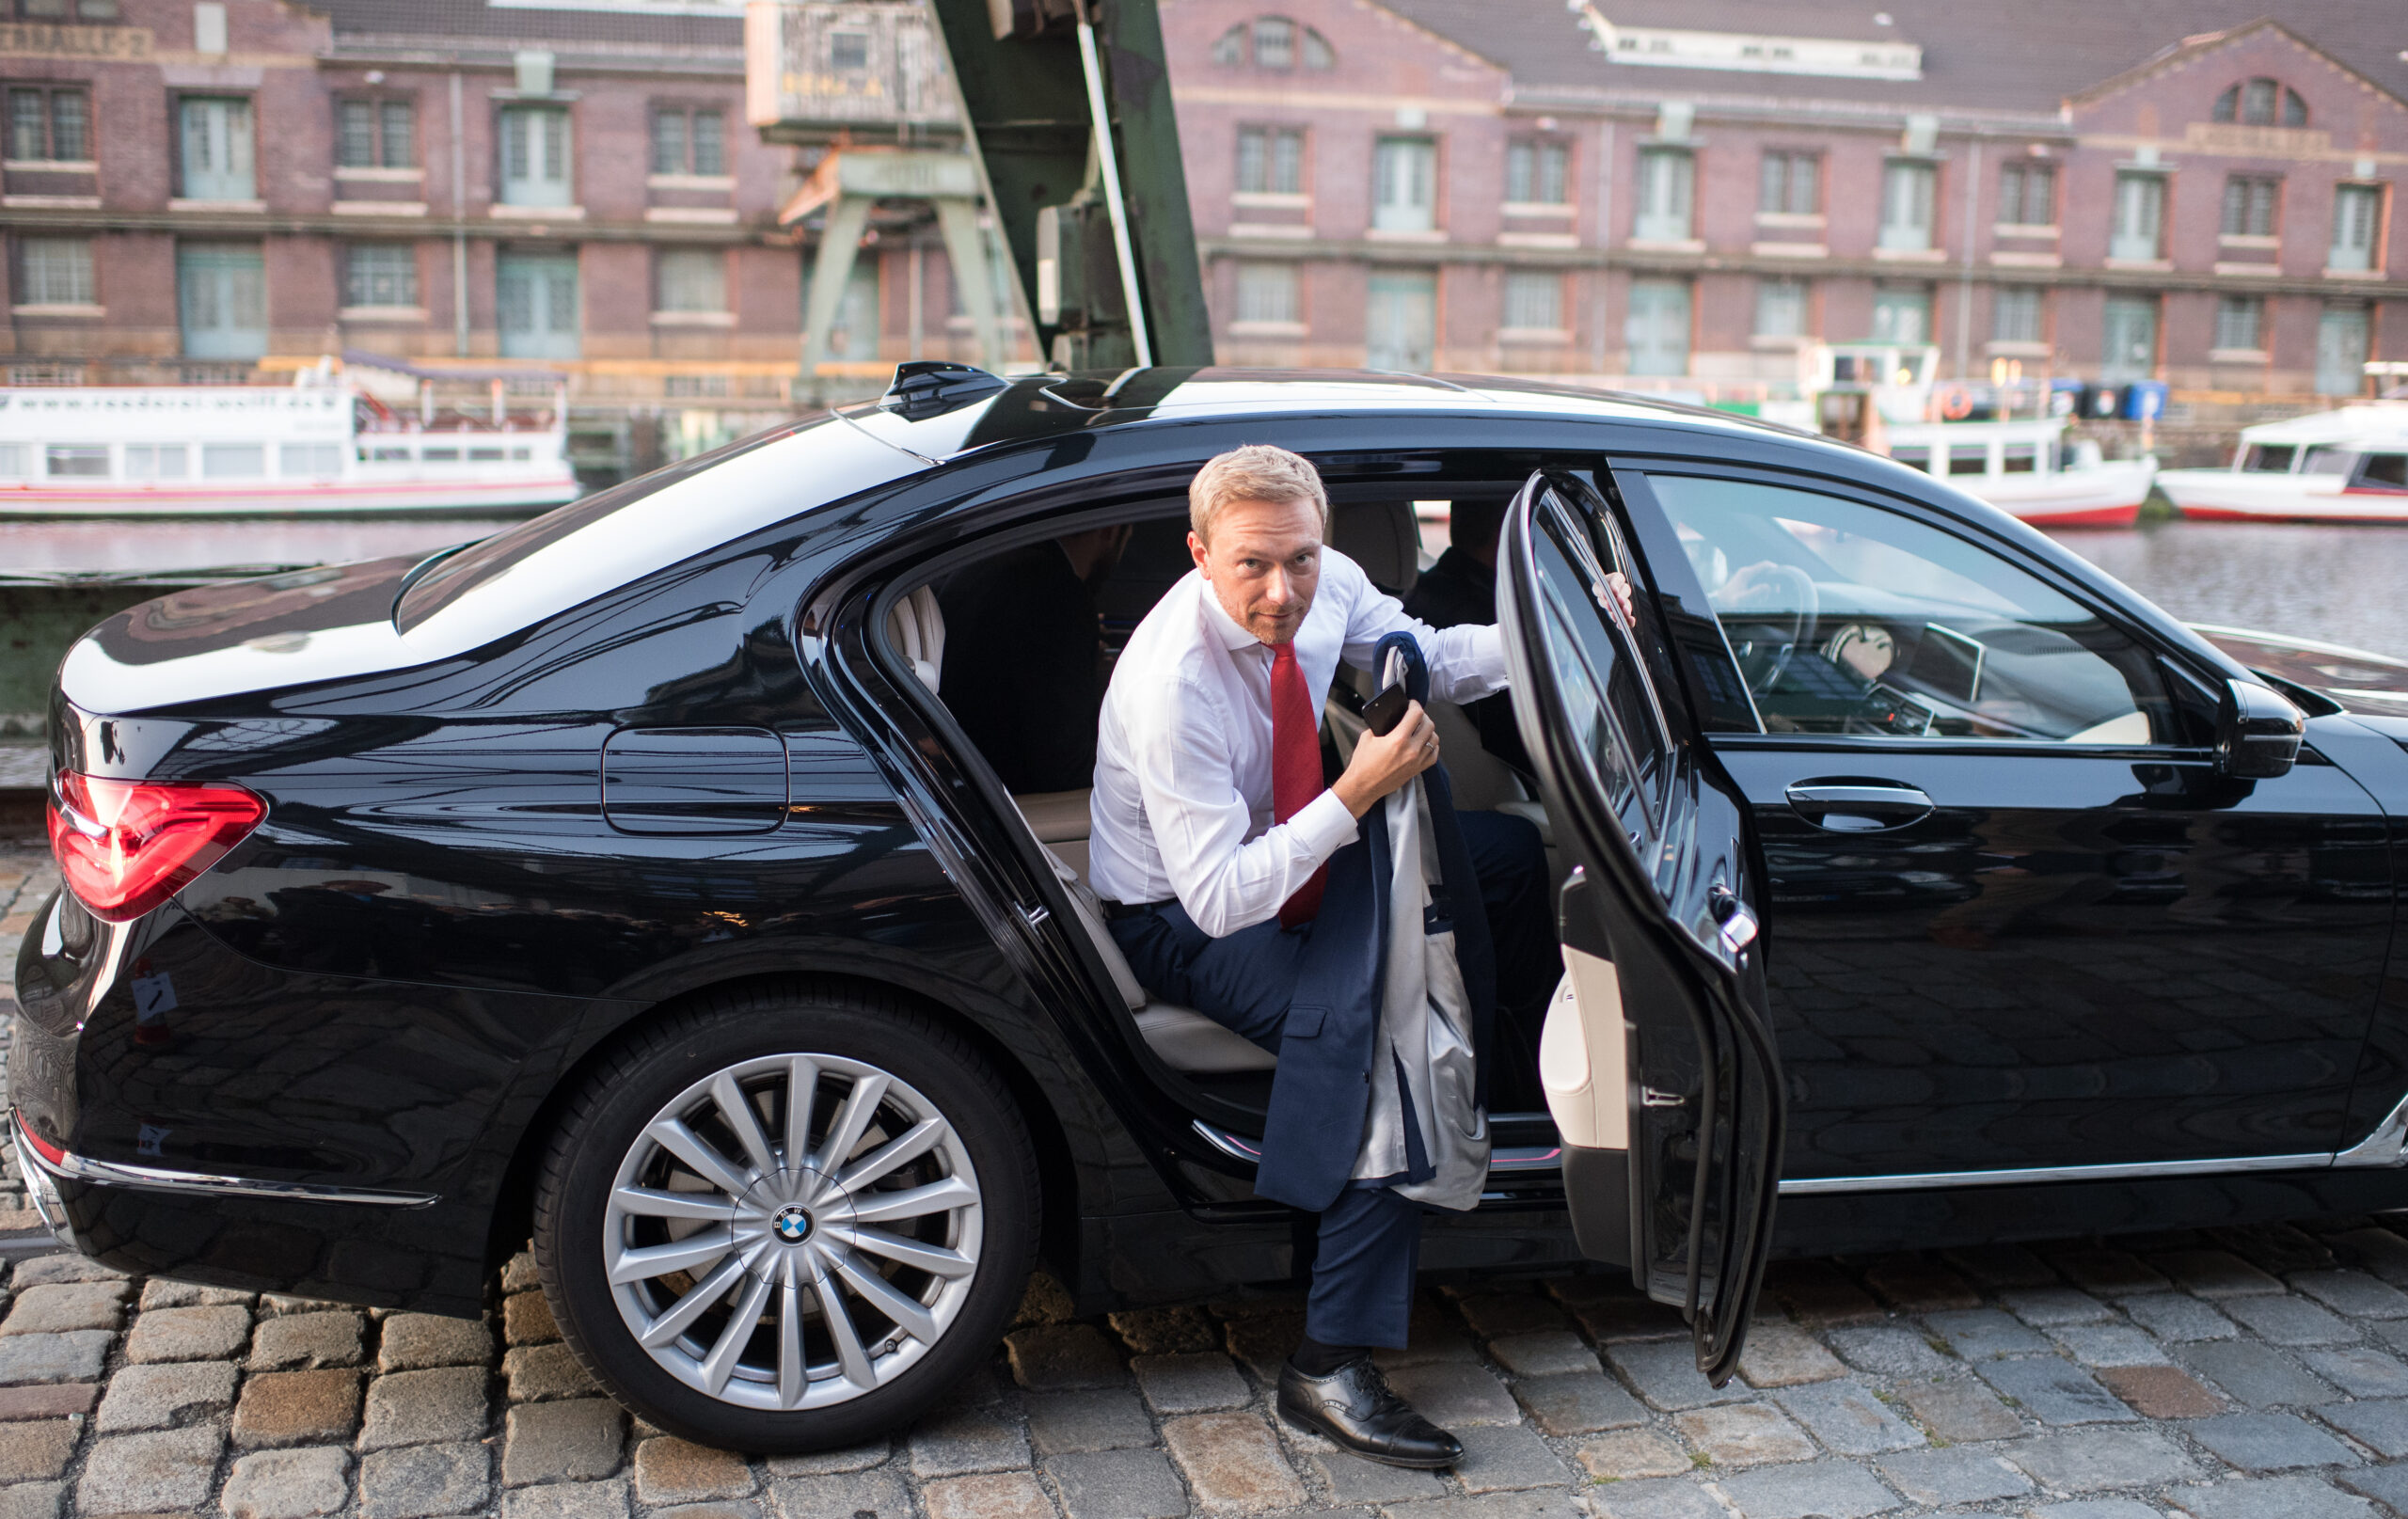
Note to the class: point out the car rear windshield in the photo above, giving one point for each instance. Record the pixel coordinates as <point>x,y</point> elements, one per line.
<point>544,566</point>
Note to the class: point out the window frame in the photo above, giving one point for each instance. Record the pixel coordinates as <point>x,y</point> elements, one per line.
<point>1894,170</point>
<point>1684,175</point>
<point>2023,172</point>
<point>1537,150</point>
<point>503,111</point>
<point>687,110</point>
<point>1243,324</point>
<point>350,251</point>
<point>50,91</point>
<point>1428,143</point>
<point>1272,135</point>
<point>1788,158</point>
<point>699,314</point>
<point>2229,306</point>
<point>2034,298</point>
<point>2153,644</point>
<point>20,284</point>
<point>2252,192</point>
<point>180,101</point>
<point>2154,181</point>
<point>2376,195</point>
<point>381,139</point>
<point>1530,278</point>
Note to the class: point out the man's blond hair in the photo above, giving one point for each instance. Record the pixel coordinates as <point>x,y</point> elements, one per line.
<point>1257,472</point>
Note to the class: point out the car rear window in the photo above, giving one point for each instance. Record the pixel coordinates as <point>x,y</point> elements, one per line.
<point>549,563</point>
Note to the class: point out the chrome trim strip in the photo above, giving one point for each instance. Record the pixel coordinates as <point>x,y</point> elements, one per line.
<point>1514,1159</point>
<point>2386,1146</point>
<point>1809,1186</point>
<point>157,1179</point>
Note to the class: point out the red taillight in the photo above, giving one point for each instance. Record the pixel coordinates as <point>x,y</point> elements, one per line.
<point>125,846</point>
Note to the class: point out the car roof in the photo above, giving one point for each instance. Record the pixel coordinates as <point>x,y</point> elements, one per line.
<point>1035,407</point>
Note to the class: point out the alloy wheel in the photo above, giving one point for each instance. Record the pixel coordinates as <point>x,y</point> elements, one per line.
<point>793,1231</point>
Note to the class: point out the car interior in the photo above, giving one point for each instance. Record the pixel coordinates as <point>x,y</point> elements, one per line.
<point>1379,529</point>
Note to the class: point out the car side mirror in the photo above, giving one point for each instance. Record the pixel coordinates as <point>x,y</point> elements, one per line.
<point>2257,732</point>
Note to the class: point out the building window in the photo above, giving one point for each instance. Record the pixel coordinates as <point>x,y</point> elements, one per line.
<point>2128,341</point>
<point>1538,172</point>
<point>1780,309</point>
<point>60,10</point>
<point>1404,184</point>
<point>691,279</point>
<point>380,274</point>
<point>1906,191</point>
<point>2249,205</point>
<point>2356,211</point>
<point>2014,315</point>
<point>2253,103</point>
<point>2027,195</point>
<point>1267,293</point>
<point>375,135</point>
<point>847,54</point>
<point>1535,300</point>
<point>2140,218</point>
<point>1902,315</point>
<point>217,163</point>
<point>54,271</point>
<point>1667,195</point>
<point>2239,322</point>
<point>1272,42</point>
<point>688,139</point>
<point>49,124</point>
<point>1271,161</point>
<point>1791,185</point>
<point>534,155</point>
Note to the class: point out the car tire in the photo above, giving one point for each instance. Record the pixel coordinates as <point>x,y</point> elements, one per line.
<point>869,1283</point>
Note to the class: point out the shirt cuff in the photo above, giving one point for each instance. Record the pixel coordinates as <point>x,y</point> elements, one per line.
<point>1488,656</point>
<point>1323,826</point>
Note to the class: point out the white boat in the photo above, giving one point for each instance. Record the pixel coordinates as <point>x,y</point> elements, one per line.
<point>2345,465</point>
<point>2025,469</point>
<point>318,446</point>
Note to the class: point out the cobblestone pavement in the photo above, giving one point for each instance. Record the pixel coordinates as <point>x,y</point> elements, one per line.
<point>2237,1373</point>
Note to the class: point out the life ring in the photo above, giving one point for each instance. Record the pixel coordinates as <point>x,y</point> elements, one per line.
<point>1956,403</point>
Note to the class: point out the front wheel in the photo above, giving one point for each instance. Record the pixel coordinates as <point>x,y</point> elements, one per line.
<point>786,1221</point>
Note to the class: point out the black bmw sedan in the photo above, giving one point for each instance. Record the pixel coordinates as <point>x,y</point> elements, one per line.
<point>625,881</point>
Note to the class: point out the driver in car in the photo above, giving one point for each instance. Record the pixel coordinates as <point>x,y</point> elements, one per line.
<point>1212,836</point>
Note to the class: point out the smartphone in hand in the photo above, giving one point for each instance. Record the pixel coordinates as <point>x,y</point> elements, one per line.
<point>1383,712</point>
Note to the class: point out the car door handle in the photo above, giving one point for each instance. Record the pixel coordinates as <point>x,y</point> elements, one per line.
<point>1857,806</point>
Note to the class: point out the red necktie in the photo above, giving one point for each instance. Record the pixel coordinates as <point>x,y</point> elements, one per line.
<point>1296,766</point>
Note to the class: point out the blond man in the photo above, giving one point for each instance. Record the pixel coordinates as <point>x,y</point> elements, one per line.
<point>1213,834</point>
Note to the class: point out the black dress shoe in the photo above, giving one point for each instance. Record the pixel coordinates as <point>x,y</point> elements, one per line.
<point>1356,1407</point>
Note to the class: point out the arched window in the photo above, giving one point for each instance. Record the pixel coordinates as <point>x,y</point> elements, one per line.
<point>1272,42</point>
<point>2254,102</point>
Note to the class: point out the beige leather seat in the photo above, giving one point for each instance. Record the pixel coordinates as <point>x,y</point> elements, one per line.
<point>1182,1037</point>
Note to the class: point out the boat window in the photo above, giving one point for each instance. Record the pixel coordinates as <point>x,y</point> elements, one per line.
<point>1916,456</point>
<point>2271,458</point>
<point>154,461</point>
<point>2387,471</point>
<point>2329,461</point>
<point>483,455</point>
<point>233,461</point>
<point>79,460</point>
<point>1968,458</point>
<point>544,566</point>
<point>442,456</point>
<point>1849,619</point>
<point>309,459</point>
<point>13,460</point>
<point>388,453</point>
<point>522,452</point>
<point>2021,459</point>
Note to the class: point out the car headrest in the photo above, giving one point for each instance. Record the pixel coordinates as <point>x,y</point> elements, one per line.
<point>918,630</point>
<point>1380,536</point>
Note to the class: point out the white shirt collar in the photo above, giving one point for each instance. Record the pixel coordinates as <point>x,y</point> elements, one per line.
<point>1233,635</point>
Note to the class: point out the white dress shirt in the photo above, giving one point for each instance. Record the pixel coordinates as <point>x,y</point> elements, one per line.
<point>1182,762</point>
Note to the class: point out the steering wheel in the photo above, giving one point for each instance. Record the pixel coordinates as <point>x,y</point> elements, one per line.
<point>1771,594</point>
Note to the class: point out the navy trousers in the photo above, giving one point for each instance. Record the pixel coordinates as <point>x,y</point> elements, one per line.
<point>1369,1241</point>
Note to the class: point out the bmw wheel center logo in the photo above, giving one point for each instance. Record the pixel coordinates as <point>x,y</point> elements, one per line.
<point>792,1223</point>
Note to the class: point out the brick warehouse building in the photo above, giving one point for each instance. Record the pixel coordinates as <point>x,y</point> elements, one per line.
<point>223,191</point>
<point>211,191</point>
<point>2183,191</point>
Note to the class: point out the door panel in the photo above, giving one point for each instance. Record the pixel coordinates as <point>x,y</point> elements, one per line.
<point>2072,959</point>
<point>1664,890</point>
<point>2019,919</point>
